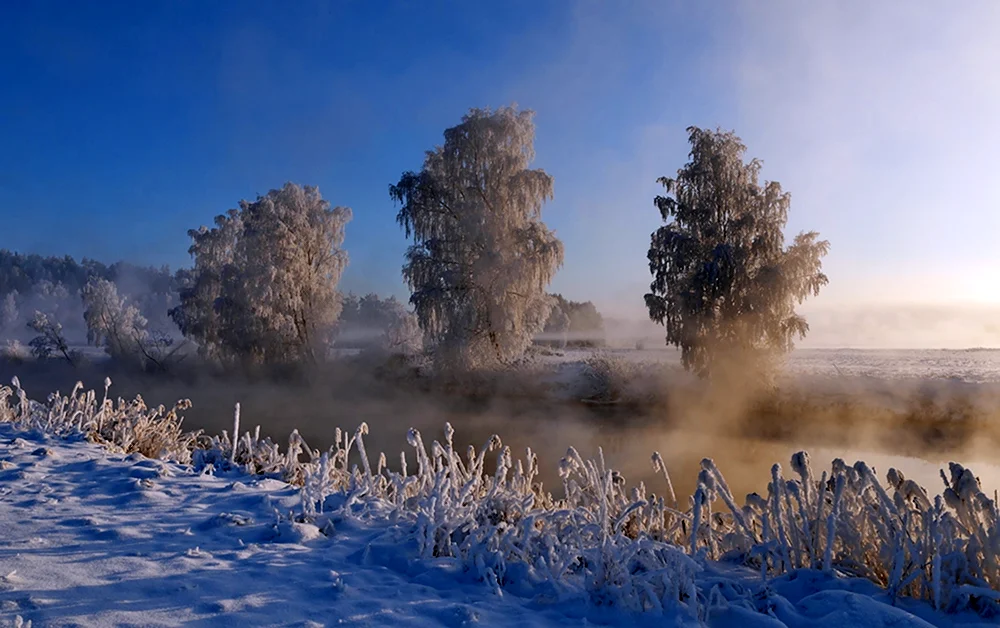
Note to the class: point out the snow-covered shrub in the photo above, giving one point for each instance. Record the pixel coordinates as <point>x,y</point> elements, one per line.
<point>50,339</point>
<point>129,427</point>
<point>609,377</point>
<point>946,550</point>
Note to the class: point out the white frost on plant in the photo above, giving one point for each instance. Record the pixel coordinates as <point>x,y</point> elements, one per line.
<point>482,257</point>
<point>616,545</point>
<point>112,322</point>
<point>264,281</point>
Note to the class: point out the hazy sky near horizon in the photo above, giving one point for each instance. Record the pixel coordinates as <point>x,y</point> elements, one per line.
<point>125,124</point>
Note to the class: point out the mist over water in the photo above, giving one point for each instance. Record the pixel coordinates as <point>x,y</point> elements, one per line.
<point>953,396</point>
<point>683,431</point>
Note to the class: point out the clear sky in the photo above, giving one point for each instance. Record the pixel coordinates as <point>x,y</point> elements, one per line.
<point>122,125</point>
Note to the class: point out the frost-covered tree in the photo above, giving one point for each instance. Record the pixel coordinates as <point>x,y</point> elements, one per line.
<point>481,257</point>
<point>263,288</point>
<point>724,284</point>
<point>113,323</point>
<point>199,315</point>
<point>585,321</point>
<point>50,339</point>
<point>557,324</point>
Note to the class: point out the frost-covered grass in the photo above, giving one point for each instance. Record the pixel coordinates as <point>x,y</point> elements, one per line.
<point>597,537</point>
<point>630,548</point>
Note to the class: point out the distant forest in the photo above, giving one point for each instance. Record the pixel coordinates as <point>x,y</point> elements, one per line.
<point>32,283</point>
<point>53,285</point>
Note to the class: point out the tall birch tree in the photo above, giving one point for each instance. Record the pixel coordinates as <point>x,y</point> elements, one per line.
<point>481,257</point>
<point>724,285</point>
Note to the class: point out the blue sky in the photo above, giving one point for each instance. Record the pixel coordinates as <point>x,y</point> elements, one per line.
<point>125,124</point>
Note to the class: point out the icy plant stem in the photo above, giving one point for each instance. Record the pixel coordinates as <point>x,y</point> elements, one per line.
<point>776,491</point>
<point>831,522</point>
<point>236,434</point>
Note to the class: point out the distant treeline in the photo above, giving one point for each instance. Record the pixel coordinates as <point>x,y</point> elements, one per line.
<point>573,323</point>
<point>55,285</point>
<point>32,283</point>
<point>23,273</point>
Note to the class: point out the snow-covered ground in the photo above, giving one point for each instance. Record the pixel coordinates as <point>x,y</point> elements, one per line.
<point>970,365</point>
<point>965,365</point>
<point>92,538</point>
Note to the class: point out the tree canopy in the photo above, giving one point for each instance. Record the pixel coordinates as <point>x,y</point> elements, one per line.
<point>482,257</point>
<point>724,284</point>
<point>263,287</point>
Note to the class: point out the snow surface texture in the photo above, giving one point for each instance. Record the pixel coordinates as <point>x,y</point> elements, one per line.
<point>95,537</point>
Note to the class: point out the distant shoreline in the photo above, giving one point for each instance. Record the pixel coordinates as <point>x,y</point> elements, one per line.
<point>903,349</point>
